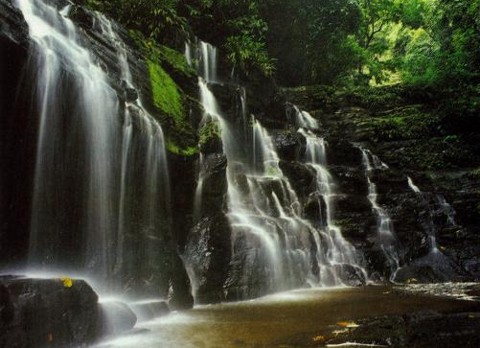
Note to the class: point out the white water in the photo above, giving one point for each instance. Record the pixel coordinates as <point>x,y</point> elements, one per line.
<point>340,251</point>
<point>85,152</point>
<point>304,120</point>
<point>270,238</point>
<point>386,237</point>
<point>436,205</point>
<point>55,46</point>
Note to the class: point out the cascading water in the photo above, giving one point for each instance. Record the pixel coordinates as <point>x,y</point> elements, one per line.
<point>79,217</point>
<point>271,241</point>
<point>303,120</point>
<point>65,68</point>
<point>386,238</point>
<point>340,251</point>
<point>437,214</point>
<point>436,205</point>
<point>150,155</point>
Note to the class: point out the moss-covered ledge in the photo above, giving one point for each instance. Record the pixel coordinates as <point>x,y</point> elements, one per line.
<point>172,105</point>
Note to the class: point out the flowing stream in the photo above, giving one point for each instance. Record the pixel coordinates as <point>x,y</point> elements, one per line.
<point>386,238</point>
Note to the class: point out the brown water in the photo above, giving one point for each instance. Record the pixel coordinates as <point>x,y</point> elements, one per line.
<point>301,318</point>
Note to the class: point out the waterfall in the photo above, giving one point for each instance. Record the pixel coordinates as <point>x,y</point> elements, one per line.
<point>340,251</point>
<point>386,238</point>
<point>90,144</point>
<point>155,197</point>
<point>90,122</point>
<point>271,240</point>
<point>435,205</point>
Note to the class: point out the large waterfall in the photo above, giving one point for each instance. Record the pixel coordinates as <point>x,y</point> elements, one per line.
<point>274,246</point>
<point>100,205</point>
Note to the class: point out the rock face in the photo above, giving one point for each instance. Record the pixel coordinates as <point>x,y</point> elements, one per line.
<point>53,313</point>
<point>404,130</point>
<point>208,246</point>
<point>14,134</point>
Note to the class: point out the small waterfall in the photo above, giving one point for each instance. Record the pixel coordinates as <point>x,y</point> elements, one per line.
<point>386,238</point>
<point>340,251</point>
<point>90,143</point>
<point>436,205</point>
<point>438,213</point>
<point>304,120</point>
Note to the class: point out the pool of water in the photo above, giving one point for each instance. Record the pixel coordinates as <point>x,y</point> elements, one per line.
<point>301,318</point>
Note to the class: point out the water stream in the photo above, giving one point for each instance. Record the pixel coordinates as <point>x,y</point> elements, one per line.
<point>386,238</point>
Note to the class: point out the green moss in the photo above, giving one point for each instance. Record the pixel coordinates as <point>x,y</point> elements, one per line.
<point>167,97</point>
<point>165,93</point>
<point>404,124</point>
<point>209,131</point>
<point>182,151</point>
<point>176,60</point>
<point>163,54</point>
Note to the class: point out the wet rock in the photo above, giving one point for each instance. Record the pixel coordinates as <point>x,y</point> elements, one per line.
<point>12,25</point>
<point>287,143</point>
<point>47,312</point>
<point>418,329</point>
<point>301,177</point>
<point>208,255</point>
<point>181,297</point>
<point>82,17</point>
<point>432,268</point>
<point>131,95</point>
<point>351,275</point>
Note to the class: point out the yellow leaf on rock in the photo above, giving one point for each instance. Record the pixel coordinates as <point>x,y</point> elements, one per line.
<point>319,339</point>
<point>67,282</point>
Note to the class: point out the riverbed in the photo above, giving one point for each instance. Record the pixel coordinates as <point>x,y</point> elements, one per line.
<point>301,318</point>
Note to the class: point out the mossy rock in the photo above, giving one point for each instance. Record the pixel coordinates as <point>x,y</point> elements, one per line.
<point>210,138</point>
<point>169,100</point>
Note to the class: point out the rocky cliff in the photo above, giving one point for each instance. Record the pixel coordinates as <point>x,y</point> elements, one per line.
<point>411,131</point>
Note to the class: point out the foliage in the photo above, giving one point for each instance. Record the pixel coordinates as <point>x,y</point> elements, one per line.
<point>310,41</point>
<point>157,19</point>
<point>174,148</point>
<point>307,38</point>
<point>167,96</point>
<point>67,282</point>
<point>235,26</point>
<point>420,61</point>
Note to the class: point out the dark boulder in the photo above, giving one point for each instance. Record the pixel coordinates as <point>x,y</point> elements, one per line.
<point>47,312</point>
<point>433,268</point>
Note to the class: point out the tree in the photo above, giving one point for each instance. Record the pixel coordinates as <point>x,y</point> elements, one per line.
<point>313,47</point>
